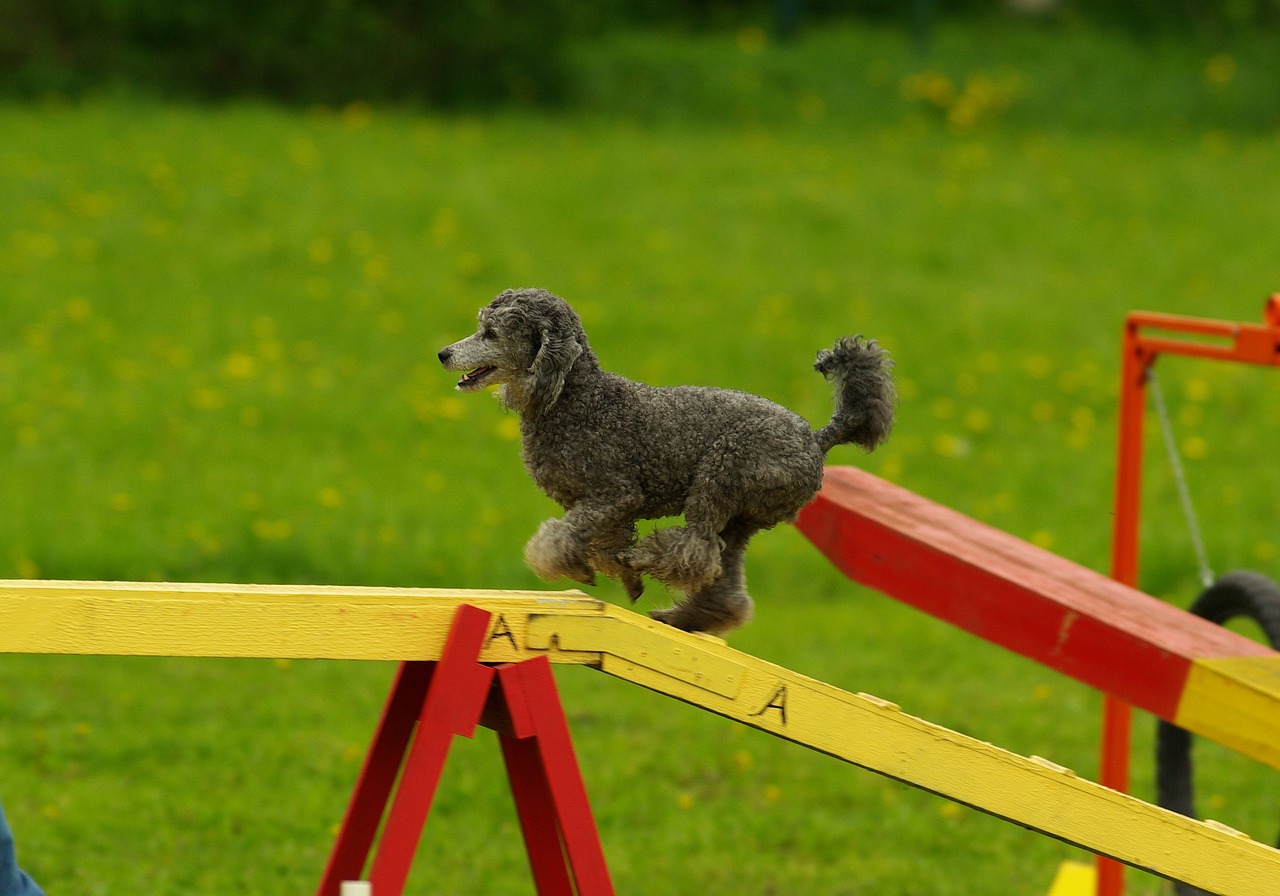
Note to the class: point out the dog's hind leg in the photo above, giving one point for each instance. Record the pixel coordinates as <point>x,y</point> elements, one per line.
<point>684,557</point>
<point>724,604</point>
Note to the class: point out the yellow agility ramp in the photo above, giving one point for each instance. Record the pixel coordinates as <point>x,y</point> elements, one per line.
<point>111,618</point>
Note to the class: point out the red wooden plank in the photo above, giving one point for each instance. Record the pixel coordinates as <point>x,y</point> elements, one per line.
<point>1012,593</point>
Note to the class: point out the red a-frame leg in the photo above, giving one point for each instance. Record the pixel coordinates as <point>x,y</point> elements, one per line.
<point>445,698</point>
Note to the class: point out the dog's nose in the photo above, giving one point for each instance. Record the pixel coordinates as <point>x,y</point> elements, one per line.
<point>444,354</point>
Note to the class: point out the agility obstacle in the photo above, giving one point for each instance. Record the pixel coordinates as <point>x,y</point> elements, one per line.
<point>1150,654</point>
<point>1219,687</point>
<point>454,646</point>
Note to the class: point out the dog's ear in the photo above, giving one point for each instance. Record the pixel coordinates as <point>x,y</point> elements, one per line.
<point>556,354</point>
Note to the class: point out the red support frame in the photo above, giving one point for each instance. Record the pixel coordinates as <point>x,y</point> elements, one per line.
<point>1147,336</point>
<point>430,703</point>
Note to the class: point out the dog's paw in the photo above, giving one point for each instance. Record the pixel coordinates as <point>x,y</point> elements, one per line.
<point>555,551</point>
<point>669,616</point>
<point>634,584</point>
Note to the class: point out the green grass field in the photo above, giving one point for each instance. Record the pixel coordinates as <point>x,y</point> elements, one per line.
<point>217,340</point>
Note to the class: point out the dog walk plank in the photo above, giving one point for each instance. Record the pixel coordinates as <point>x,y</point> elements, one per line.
<point>566,627</point>
<point>1075,620</point>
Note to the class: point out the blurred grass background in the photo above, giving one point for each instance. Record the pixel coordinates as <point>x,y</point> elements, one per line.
<point>217,339</point>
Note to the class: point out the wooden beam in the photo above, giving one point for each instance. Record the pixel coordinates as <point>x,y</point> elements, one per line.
<point>1140,649</point>
<point>285,621</point>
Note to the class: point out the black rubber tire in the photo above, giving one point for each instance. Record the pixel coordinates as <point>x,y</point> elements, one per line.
<point>1236,595</point>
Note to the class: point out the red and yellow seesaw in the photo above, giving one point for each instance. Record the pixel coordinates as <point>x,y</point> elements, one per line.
<point>474,657</point>
<point>1136,649</point>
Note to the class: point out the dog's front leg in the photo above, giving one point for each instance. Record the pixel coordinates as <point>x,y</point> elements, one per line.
<point>605,555</point>
<point>590,537</point>
<point>559,549</point>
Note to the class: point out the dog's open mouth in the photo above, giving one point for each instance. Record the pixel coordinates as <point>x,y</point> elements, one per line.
<point>474,379</point>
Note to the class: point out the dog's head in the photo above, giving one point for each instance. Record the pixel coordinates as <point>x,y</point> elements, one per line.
<point>526,342</point>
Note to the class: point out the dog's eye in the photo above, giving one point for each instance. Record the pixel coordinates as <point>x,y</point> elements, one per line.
<point>488,333</point>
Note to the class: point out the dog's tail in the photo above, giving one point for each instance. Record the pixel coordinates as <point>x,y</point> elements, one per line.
<point>865,396</point>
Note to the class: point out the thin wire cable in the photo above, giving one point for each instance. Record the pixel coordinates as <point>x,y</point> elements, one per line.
<point>1180,480</point>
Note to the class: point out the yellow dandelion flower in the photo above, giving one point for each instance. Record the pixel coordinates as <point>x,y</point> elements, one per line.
<point>272,530</point>
<point>752,40</point>
<point>375,269</point>
<point>303,153</point>
<point>1264,552</point>
<point>320,251</point>
<point>449,408</point>
<point>26,568</point>
<point>1042,539</point>
<point>811,108</point>
<point>357,115</point>
<point>240,366</point>
<point>772,793</point>
<point>1197,390</point>
<point>329,497</point>
<point>950,810</point>
<point>86,250</point>
<point>391,322</point>
<point>950,445</point>
<point>685,800</point>
<point>1037,366</point>
<point>1043,411</point>
<point>1194,448</point>
<point>977,420</point>
<point>79,310</point>
<point>470,265</point>
<point>444,228</point>
<point>1220,70</point>
<point>509,428</point>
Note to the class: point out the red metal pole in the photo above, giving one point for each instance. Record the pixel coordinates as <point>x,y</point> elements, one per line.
<point>1117,715</point>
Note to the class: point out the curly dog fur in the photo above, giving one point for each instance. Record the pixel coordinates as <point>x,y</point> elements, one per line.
<point>611,451</point>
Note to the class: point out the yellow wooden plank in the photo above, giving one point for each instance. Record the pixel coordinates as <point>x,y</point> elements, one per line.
<point>299,622</point>
<point>1075,879</point>
<point>1035,793</point>
<point>1234,701</point>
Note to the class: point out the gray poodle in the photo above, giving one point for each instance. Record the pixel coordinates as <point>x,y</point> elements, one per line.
<point>612,451</point>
